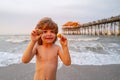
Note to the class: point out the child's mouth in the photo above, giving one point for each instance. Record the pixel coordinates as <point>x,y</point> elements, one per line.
<point>49,38</point>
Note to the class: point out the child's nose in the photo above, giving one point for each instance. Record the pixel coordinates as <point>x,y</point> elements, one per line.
<point>49,33</point>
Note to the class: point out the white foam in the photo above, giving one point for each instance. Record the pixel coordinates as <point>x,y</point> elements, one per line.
<point>83,58</point>
<point>9,58</point>
<point>91,58</point>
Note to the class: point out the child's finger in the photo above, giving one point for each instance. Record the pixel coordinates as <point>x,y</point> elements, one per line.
<point>33,32</point>
<point>64,38</point>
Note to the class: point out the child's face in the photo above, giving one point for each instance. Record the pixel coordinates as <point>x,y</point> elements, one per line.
<point>48,36</point>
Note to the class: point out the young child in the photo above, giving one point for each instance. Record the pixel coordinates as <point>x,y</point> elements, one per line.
<point>42,45</point>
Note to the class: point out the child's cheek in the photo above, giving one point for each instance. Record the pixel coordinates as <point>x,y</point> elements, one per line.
<point>42,37</point>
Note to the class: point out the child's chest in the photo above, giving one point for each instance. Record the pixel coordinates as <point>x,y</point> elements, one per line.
<point>47,54</point>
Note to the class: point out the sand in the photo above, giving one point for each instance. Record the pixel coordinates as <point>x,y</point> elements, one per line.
<point>73,72</point>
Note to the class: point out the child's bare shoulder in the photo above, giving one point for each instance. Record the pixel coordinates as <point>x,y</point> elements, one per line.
<point>57,46</point>
<point>37,46</point>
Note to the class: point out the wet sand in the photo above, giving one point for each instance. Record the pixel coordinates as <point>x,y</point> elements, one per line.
<point>73,72</point>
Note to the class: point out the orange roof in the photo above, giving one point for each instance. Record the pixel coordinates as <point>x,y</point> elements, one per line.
<point>71,24</point>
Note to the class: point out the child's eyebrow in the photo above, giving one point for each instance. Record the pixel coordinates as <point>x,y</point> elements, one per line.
<point>48,30</point>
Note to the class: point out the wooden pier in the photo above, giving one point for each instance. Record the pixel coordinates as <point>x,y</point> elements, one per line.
<point>109,26</point>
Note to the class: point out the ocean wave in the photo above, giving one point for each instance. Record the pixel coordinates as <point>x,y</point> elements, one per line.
<point>80,58</point>
<point>7,58</point>
<point>17,39</point>
<point>113,45</point>
<point>90,58</point>
<point>83,39</point>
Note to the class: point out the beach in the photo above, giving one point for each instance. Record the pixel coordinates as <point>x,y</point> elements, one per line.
<point>73,72</point>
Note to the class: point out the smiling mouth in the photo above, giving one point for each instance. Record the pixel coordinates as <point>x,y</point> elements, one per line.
<point>48,38</point>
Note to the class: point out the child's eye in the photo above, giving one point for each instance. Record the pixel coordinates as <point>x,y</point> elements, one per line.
<point>52,31</point>
<point>44,31</point>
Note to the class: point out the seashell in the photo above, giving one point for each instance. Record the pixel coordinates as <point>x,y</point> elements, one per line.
<point>40,31</point>
<point>59,35</point>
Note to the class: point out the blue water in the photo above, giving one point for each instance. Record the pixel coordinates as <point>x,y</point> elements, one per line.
<point>84,49</point>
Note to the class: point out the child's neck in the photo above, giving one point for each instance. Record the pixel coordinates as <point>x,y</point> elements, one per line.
<point>47,45</point>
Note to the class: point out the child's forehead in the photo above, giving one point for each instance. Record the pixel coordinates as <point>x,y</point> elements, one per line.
<point>48,30</point>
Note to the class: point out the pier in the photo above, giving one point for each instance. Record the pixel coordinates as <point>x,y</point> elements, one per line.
<point>109,26</point>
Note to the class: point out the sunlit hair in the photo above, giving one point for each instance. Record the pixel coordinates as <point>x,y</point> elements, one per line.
<point>45,24</point>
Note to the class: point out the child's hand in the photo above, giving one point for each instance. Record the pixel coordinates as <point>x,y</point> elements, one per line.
<point>35,35</point>
<point>63,39</point>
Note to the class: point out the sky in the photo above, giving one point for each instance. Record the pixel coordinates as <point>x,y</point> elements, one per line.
<point>21,16</point>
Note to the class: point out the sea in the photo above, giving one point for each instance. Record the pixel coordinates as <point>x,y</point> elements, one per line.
<point>84,49</point>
